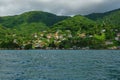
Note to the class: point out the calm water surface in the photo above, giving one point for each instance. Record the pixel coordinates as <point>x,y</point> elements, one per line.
<point>59,65</point>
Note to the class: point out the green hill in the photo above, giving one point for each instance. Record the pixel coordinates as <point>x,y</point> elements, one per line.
<point>44,30</point>
<point>111,18</point>
<point>76,23</point>
<point>96,16</point>
<point>31,17</point>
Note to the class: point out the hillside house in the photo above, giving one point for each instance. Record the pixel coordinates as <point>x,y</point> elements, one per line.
<point>118,34</point>
<point>108,42</point>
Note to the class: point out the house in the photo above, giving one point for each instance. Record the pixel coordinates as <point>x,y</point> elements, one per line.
<point>15,41</point>
<point>56,35</point>
<point>49,36</point>
<point>39,45</point>
<point>61,37</point>
<point>90,36</point>
<point>117,38</point>
<point>70,36</point>
<point>86,48</point>
<point>113,47</point>
<point>35,35</point>
<point>118,47</point>
<point>103,31</point>
<point>41,34</point>
<point>118,34</point>
<point>108,42</point>
<point>83,35</point>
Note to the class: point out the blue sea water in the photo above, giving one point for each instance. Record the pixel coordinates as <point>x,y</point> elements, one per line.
<point>60,65</point>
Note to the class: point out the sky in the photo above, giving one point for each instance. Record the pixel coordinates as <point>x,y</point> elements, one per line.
<point>59,7</point>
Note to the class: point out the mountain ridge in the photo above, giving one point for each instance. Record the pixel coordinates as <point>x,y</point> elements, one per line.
<point>94,16</point>
<point>28,17</point>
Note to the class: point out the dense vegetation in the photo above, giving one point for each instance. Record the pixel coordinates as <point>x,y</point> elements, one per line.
<point>111,18</point>
<point>31,17</point>
<point>41,30</point>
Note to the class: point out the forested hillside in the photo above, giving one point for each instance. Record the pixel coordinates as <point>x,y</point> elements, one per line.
<point>111,18</point>
<point>31,17</point>
<point>42,30</point>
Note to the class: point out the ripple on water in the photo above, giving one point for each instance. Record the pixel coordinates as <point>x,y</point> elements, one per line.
<point>60,65</point>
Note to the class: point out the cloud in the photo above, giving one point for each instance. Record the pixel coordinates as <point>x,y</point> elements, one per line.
<point>60,7</point>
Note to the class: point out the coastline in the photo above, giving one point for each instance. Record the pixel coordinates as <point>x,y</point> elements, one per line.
<point>59,49</point>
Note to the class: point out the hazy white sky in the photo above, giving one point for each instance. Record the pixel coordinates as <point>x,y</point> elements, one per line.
<point>60,7</point>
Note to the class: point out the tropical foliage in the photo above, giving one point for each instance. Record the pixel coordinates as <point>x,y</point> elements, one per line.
<point>41,30</point>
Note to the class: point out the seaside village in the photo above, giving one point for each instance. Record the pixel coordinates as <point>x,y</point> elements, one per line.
<point>62,40</point>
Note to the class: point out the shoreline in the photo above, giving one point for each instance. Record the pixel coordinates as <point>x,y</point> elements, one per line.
<point>58,49</point>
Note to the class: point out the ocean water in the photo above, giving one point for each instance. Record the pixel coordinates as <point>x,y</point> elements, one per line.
<point>60,65</point>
